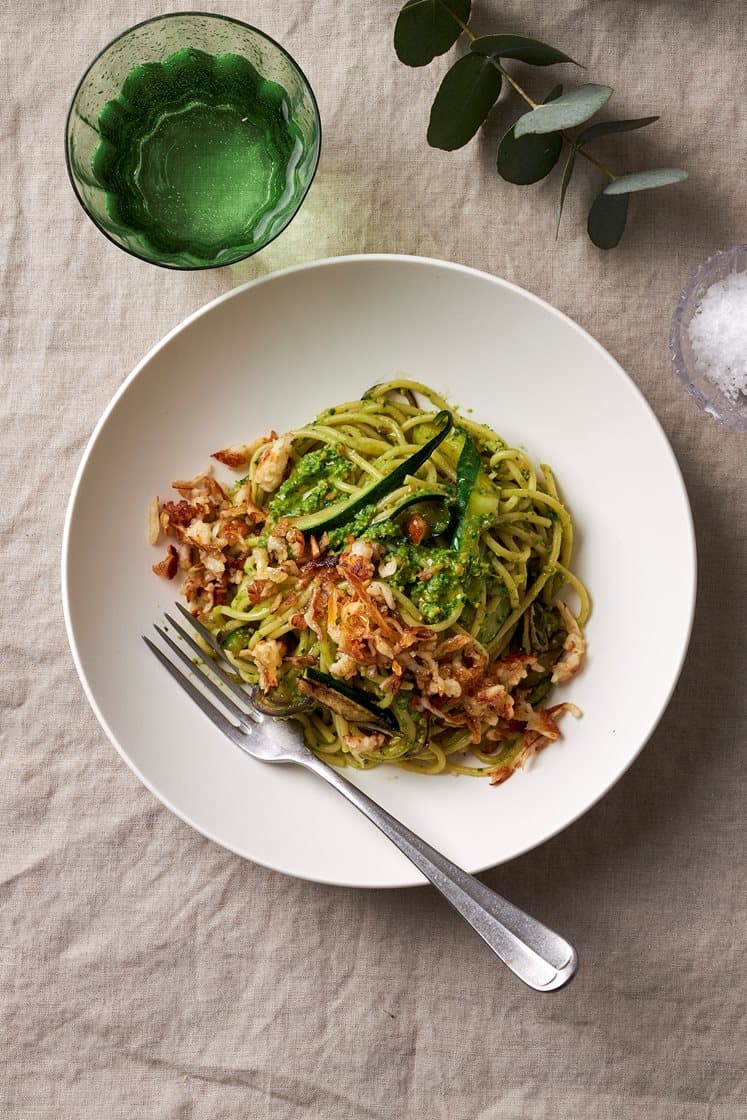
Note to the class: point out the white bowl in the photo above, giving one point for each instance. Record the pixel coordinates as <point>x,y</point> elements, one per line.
<point>272,354</point>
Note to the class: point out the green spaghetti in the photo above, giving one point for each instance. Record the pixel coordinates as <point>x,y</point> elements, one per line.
<point>390,575</point>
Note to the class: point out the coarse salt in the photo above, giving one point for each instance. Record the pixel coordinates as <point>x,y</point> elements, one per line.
<point>718,335</point>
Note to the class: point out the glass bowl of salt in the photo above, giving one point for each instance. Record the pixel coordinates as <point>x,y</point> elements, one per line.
<point>708,339</point>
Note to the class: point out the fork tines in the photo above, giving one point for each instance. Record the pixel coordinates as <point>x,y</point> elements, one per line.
<point>205,669</point>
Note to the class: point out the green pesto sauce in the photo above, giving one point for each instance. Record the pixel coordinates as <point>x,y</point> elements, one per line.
<point>456,578</point>
<point>308,487</point>
<point>355,528</point>
<point>437,597</point>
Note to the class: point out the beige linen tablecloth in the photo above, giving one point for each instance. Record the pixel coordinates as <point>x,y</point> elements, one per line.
<point>145,972</point>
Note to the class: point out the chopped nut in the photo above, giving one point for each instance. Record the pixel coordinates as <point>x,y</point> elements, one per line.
<point>417,527</point>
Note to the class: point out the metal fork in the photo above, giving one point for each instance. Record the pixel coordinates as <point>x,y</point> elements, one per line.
<point>537,955</point>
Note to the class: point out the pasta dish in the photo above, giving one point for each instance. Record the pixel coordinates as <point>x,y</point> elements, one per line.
<point>390,576</point>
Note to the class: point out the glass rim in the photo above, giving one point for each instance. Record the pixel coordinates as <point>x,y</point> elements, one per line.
<point>702,270</point>
<point>223,19</point>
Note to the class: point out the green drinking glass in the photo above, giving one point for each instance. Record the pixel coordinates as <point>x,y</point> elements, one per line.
<point>192,140</point>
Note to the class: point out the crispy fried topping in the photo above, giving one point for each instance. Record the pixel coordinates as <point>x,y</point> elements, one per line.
<point>574,647</point>
<point>240,454</point>
<point>268,655</point>
<point>272,462</point>
<point>180,514</point>
<point>169,565</point>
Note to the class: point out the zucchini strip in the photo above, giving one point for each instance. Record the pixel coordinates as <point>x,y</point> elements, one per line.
<point>343,511</point>
<point>352,704</point>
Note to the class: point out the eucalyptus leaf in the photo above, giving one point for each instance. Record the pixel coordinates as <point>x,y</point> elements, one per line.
<point>645,180</point>
<point>570,163</point>
<point>427,28</point>
<point>572,108</point>
<point>464,99</point>
<point>526,50</point>
<point>606,221</point>
<point>531,158</point>
<point>604,128</point>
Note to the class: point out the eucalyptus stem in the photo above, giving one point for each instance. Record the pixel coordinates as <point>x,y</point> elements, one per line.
<point>580,151</point>
<point>515,85</point>
<point>467,30</point>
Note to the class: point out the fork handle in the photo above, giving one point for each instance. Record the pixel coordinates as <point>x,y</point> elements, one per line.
<point>541,958</point>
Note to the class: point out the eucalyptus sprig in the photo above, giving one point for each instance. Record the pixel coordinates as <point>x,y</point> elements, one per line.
<point>531,147</point>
